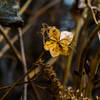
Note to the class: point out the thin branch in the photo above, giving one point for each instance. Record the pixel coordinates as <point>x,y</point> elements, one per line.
<point>21,77</point>
<point>32,20</point>
<point>9,56</point>
<point>94,17</point>
<point>21,12</point>
<point>28,71</point>
<point>81,42</point>
<point>6,87</point>
<point>18,56</point>
<point>42,10</point>
<point>28,81</point>
<point>36,92</point>
<point>94,66</point>
<point>84,51</point>
<point>10,44</point>
<point>97,86</point>
<point>69,58</point>
<point>24,62</point>
<point>6,47</point>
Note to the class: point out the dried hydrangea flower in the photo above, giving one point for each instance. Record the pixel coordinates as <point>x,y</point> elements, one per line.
<point>59,42</point>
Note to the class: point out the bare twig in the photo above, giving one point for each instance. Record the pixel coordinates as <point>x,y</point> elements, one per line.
<point>21,77</point>
<point>94,17</point>
<point>85,32</point>
<point>83,54</point>
<point>94,87</point>
<point>69,58</point>
<point>24,62</point>
<point>15,51</point>
<point>6,47</point>
<point>6,87</point>
<point>82,41</point>
<point>11,45</point>
<point>32,20</point>
<point>34,87</point>
<point>94,66</point>
<point>21,12</point>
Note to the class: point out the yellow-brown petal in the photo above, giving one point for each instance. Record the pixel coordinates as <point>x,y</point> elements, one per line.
<point>54,33</point>
<point>64,50</point>
<point>55,50</point>
<point>49,44</point>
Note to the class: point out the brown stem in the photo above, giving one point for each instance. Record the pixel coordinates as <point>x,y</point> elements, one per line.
<point>21,78</point>
<point>21,12</point>
<point>10,44</point>
<point>6,87</point>
<point>81,42</point>
<point>36,92</point>
<point>69,58</point>
<point>94,86</point>
<point>32,20</point>
<point>24,62</point>
<point>94,66</point>
<point>94,16</point>
<point>83,54</point>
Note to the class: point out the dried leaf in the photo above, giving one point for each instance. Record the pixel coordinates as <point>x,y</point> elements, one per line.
<point>9,14</point>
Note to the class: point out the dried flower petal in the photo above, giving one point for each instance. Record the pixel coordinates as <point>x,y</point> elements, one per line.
<point>59,42</point>
<point>53,33</point>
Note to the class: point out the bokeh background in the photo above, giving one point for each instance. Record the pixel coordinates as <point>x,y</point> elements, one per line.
<point>65,16</point>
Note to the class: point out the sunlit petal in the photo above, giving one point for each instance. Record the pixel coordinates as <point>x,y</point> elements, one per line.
<point>66,37</point>
<point>55,51</point>
<point>54,33</point>
<point>66,42</point>
<point>49,44</point>
<point>59,42</point>
<point>64,50</point>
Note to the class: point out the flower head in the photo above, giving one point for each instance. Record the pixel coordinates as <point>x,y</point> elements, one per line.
<point>58,42</point>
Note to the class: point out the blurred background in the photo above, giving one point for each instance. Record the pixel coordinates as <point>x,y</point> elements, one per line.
<point>66,15</point>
